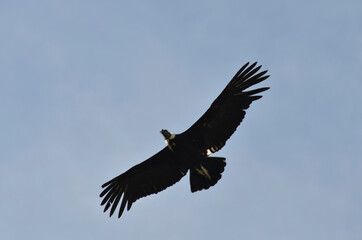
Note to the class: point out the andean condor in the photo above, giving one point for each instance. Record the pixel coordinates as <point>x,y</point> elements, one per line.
<point>190,150</point>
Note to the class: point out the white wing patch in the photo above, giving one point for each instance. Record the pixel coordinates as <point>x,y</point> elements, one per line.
<point>208,152</point>
<point>212,150</point>
<point>171,137</point>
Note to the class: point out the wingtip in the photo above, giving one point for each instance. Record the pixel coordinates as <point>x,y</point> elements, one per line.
<point>120,213</point>
<point>106,207</point>
<point>253,65</point>
<point>103,192</point>
<point>264,89</point>
<point>106,184</point>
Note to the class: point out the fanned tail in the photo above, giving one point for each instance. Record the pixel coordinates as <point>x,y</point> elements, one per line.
<point>207,174</point>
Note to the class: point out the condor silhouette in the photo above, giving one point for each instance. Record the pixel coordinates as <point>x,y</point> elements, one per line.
<point>190,150</point>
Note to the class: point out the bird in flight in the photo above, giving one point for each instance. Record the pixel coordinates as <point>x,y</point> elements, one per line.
<point>190,150</point>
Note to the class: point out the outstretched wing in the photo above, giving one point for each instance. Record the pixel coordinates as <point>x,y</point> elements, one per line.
<point>225,114</point>
<point>151,176</point>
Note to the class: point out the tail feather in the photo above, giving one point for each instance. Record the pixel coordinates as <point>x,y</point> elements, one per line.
<point>207,174</point>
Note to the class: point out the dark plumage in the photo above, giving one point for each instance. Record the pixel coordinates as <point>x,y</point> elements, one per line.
<point>189,150</point>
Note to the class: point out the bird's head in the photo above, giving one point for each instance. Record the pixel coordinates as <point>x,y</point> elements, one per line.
<point>167,135</point>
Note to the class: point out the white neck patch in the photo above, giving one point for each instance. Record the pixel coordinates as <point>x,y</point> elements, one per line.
<point>172,136</point>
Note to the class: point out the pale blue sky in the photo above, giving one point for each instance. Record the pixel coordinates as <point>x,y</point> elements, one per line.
<point>86,86</point>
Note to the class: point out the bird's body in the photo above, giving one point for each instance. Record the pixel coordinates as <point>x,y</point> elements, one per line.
<point>190,150</point>
<point>185,150</point>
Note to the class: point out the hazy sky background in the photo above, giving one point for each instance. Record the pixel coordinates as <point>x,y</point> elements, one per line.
<point>86,86</point>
